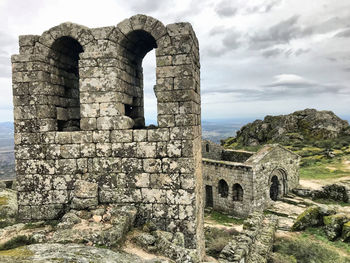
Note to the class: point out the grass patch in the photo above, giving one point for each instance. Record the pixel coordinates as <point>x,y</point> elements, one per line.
<point>223,219</point>
<point>17,253</point>
<point>216,239</point>
<point>330,202</point>
<point>304,249</point>
<point>315,168</point>
<point>17,241</point>
<point>318,234</point>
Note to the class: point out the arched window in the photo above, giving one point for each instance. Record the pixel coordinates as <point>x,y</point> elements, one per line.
<point>65,55</point>
<point>136,44</point>
<point>207,147</point>
<point>237,192</point>
<point>223,188</point>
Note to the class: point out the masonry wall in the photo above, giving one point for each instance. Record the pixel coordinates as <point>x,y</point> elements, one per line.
<point>211,150</point>
<point>213,172</point>
<point>78,97</point>
<point>280,162</point>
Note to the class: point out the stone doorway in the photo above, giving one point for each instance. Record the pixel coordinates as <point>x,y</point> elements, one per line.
<point>274,188</point>
<point>208,196</point>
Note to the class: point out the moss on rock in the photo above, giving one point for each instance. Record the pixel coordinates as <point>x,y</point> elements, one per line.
<point>333,225</point>
<point>312,216</point>
<point>346,232</point>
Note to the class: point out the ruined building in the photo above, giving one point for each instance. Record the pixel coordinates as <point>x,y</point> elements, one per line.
<point>79,123</point>
<point>241,182</point>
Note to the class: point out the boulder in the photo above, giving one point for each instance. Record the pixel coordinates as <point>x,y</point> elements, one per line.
<point>8,207</point>
<point>312,216</point>
<point>2,185</point>
<point>333,225</point>
<point>346,232</point>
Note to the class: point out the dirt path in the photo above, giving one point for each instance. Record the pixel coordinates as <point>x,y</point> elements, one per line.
<point>316,184</point>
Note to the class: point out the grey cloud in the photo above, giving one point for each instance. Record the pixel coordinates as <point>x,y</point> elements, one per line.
<point>5,65</point>
<point>272,52</point>
<point>345,33</point>
<point>147,5</point>
<point>280,33</point>
<point>275,52</point>
<point>225,9</point>
<point>231,40</point>
<point>263,8</point>
<point>282,90</point>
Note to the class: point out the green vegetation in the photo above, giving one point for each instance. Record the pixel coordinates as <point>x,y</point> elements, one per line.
<point>311,246</point>
<point>216,239</point>
<point>223,219</point>
<point>17,241</point>
<point>3,200</point>
<point>17,253</point>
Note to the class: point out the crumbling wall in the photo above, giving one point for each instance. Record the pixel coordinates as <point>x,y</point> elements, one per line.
<point>211,150</point>
<point>78,110</point>
<point>236,155</point>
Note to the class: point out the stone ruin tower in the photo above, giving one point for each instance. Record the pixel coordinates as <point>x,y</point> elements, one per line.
<point>79,119</point>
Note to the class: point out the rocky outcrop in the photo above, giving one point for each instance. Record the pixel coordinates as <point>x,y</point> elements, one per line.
<point>8,207</point>
<point>333,225</point>
<point>65,253</point>
<point>298,126</point>
<point>312,216</point>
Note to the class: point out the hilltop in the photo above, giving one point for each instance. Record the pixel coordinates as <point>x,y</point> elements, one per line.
<point>304,127</point>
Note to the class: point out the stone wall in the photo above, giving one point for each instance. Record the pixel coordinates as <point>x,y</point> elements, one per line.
<point>211,150</point>
<point>247,185</point>
<point>232,174</point>
<point>78,110</point>
<point>254,244</point>
<point>273,160</point>
<point>236,155</point>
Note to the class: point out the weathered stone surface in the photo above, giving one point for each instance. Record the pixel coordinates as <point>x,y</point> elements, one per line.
<point>254,244</point>
<point>81,139</point>
<point>312,216</point>
<point>8,206</point>
<point>51,253</point>
<point>242,179</point>
<point>333,225</point>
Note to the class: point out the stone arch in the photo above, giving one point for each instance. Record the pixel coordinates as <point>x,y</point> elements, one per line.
<point>138,35</point>
<point>80,33</point>
<point>60,48</point>
<point>278,183</point>
<point>237,192</point>
<point>65,56</point>
<point>223,188</point>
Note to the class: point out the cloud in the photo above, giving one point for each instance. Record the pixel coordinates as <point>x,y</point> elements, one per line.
<point>345,33</point>
<point>284,86</point>
<point>265,7</point>
<point>147,6</point>
<point>280,33</point>
<point>225,9</point>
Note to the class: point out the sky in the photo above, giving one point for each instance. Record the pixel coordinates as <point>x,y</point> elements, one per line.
<point>258,57</point>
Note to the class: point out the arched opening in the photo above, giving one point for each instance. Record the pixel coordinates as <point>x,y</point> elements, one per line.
<point>207,147</point>
<point>136,45</point>
<point>65,54</point>
<point>237,192</point>
<point>208,196</point>
<point>274,188</point>
<point>223,188</point>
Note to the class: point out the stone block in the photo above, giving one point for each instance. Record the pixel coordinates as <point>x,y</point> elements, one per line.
<point>84,189</point>
<point>121,136</point>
